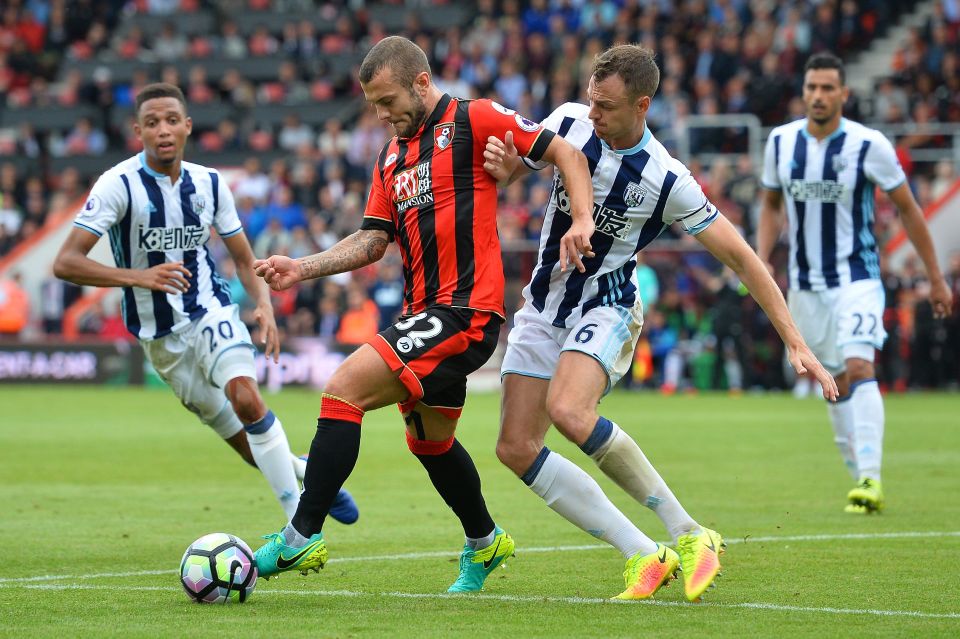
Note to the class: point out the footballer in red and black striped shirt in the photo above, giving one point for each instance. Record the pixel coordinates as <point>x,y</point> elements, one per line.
<point>432,196</point>
<point>430,193</point>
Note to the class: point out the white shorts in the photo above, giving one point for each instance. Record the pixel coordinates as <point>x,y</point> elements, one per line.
<point>199,360</point>
<point>606,333</point>
<point>841,323</point>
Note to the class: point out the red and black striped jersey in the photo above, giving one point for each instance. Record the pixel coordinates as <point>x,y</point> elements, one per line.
<point>431,194</point>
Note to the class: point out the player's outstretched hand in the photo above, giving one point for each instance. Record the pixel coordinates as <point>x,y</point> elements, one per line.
<point>278,271</point>
<point>941,299</point>
<point>269,335</point>
<point>169,277</point>
<point>500,157</point>
<point>804,361</point>
<point>575,244</point>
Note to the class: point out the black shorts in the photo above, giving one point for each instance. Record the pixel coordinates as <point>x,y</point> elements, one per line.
<point>434,351</point>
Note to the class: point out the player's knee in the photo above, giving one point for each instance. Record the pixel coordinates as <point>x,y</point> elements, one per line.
<point>517,455</point>
<point>245,399</point>
<point>573,421</point>
<point>859,369</point>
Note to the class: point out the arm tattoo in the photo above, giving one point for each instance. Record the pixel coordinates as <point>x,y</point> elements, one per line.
<point>350,253</point>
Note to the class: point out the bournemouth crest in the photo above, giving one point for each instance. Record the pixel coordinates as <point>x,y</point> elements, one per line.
<point>633,195</point>
<point>443,134</point>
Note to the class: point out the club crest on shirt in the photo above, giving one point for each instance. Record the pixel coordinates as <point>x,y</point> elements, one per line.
<point>839,163</point>
<point>197,203</point>
<point>443,134</point>
<point>633,195</point>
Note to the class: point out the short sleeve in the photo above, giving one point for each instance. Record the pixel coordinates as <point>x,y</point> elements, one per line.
<point>105,206</point>
<point>379,212</point>
<point>551,123</point>
<point>687,204</point>
<point>770,178</point>
<point>881,165</point>
<point>226,220</point>
<point>489,118</point>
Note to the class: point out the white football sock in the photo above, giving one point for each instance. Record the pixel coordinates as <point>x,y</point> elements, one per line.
<point>622,461</point>
<point>481,542</point>
<point>576,496</point>
<point>299,467</point>
<point>841,417</point>
<point>293,538</point>
<point>867,427</point>
<point>271,451</point>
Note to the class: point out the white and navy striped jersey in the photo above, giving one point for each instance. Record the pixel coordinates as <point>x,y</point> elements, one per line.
<point>828,189</point>
<point>637,193</point>
<point>151,220</point>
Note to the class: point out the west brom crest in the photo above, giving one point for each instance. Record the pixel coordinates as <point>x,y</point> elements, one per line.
<point>633,195</point>
<point>443,134</point>
<point>198,203</point>
<point>839,163</point>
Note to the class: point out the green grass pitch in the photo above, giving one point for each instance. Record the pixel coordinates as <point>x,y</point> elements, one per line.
<point>101,490</point>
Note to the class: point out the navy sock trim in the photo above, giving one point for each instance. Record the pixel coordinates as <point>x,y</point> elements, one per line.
<point>861,382</point>
<point>262,425</point>
<point>599,436</point>
<point>534,470</point>
<point>845,398</point>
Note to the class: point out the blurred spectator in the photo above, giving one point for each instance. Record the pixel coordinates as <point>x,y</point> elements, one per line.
<point>294,133</point>
<point>284,211</point>
<point>510,84</point>
<point>944,176</point>
<point>169,45</point>
<point>10,215</point>
<point>56,296</point>
<point>254,183</point>
<point>648,286</point>
<point>451,82</point>
<point>199,90</point>
<point>321,234</point>
<point>14,306</point>
<point>360,321</point>
<point>387,293</point>
<point>69,189</point>
<point>232,44</point>
<point>328,318</point>
<point>83,139</point>
<point>333,141</point>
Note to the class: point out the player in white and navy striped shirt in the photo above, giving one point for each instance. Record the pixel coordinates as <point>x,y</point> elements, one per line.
<point>575,335</point>
<point>825,168</point>
<point>158,211</point>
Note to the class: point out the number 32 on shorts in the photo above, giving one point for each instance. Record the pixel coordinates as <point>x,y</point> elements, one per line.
<point>426,327</point>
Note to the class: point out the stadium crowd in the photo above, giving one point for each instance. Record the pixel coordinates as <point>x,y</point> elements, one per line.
<point>301,184</point>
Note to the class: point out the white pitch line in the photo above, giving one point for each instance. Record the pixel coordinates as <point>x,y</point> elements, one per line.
<point>526,599</point>
<point>523,550</point>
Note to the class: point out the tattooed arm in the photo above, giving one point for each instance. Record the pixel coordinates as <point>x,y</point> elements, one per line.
<point>352,252</point>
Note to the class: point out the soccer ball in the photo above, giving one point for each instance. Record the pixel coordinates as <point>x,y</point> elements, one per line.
<point>218,568</point>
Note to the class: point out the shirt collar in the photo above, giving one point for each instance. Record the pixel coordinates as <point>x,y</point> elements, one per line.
<point>146,167</point>
<point>837,133</point>
<point>644,139</point>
